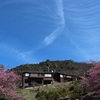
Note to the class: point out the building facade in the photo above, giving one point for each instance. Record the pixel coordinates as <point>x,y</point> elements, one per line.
<point>29,78</point>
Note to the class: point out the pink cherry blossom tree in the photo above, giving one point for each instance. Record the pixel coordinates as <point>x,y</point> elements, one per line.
<point>8,86</point>
<point>92,80</point>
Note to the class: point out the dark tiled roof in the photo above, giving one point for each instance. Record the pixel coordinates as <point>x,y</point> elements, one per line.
<point>41,72</point>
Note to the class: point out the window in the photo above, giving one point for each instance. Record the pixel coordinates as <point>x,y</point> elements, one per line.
<point>61,76</point>
<point>47,75</point>
<point>26,74</point>
<point>69,76</point>
<point>34,75</point>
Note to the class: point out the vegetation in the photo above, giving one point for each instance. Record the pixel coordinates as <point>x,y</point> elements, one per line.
<point>67,66</point>
<point>85,89</point>
<point>92,81</point>
<point>8,85</point>
<point>71,91</point>
<point>27,94</point>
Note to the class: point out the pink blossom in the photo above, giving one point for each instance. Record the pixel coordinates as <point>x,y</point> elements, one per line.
<point>8,86</point>
<point>93,80</point>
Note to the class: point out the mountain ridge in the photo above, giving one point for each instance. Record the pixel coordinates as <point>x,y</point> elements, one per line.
<point>66,66</point>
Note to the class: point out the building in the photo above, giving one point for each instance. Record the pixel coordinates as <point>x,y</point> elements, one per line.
<point>29,78</point>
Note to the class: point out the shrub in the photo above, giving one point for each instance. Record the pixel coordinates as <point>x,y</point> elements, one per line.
<point>51,94</point>
<point>76,90</point>
<point>73,91</point>
<point>42,95</point>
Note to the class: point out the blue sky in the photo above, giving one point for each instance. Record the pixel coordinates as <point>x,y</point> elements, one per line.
<point>32,31</point>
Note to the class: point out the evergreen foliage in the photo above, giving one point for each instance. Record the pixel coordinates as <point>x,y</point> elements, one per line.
<point>67,66</point>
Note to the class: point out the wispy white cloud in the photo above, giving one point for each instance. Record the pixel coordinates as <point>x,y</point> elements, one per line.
<point>61,23</point>
<point>86,44</point>
<point>50,38</point>
<point>83,27</point>
<point>26,56</point>
<point>60,11</point>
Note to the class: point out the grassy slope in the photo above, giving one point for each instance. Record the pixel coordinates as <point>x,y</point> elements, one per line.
<point>29,93</point>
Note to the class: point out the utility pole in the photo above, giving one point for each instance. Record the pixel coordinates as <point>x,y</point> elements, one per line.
<point>48,68</point>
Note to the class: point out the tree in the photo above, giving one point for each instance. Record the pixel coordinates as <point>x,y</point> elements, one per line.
<point>92,80</point>
<point>8,86</point>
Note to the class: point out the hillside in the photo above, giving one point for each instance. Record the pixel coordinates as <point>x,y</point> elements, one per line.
<point>66,66</point>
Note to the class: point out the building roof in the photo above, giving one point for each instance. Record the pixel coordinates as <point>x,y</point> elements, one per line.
<point>41,72</point>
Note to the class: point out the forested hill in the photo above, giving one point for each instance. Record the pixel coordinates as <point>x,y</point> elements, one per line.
<point>67,66</point>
